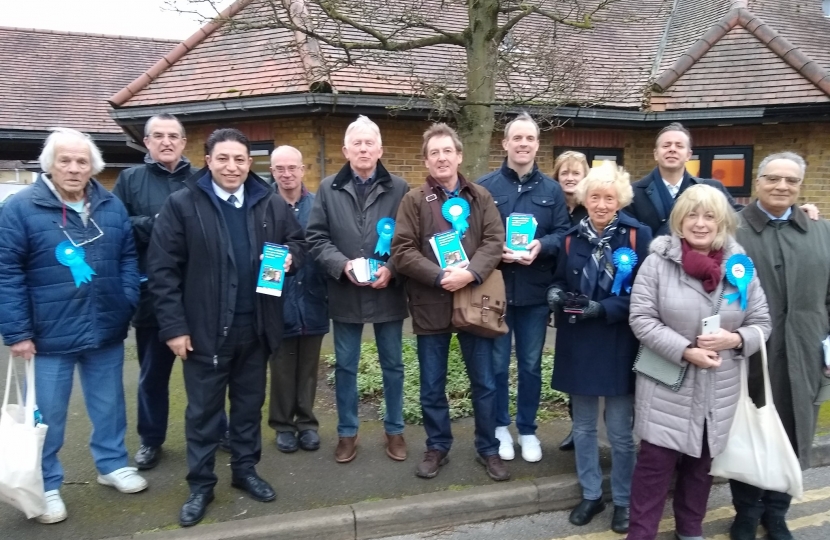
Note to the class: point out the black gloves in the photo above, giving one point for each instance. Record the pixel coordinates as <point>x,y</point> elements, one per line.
<point>593,311</point>
<point>556,298</point>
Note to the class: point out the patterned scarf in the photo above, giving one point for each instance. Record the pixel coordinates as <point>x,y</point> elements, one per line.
<point>599,272</point>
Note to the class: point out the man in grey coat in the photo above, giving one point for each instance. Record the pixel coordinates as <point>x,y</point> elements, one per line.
<point>343,232</point>
<point>792,258</point>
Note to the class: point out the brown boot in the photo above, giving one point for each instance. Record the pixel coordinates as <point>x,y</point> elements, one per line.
<point>496,469</point>
<point>395,446</point>
<point>346,449</point>
<point>433,459</point>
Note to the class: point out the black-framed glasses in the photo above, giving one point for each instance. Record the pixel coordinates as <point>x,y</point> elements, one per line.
<point>773,179</point>
<point>85,242</point>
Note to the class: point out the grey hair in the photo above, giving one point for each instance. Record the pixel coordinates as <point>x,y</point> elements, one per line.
<point>162,116</point>
<point>63,135</point>
<point>362,122</point>
<point>523,117</point>
<point>789,156</point>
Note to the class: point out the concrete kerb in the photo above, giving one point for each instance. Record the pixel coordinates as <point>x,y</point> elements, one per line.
<point>407,515</point>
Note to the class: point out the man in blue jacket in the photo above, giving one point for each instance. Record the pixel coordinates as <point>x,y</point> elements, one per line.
<point>520,187</point>
<point>306,321</point>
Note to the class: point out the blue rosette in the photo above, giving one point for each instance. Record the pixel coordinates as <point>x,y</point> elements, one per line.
<point>625,259</point>
<point>73,258</point>
<point>386,229</point>
<point>739,272</point>
<point>456,211</point>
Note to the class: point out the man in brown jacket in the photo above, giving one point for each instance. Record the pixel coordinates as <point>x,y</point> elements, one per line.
<point>430,289</point>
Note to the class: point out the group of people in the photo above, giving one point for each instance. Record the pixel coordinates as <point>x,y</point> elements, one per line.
<point>619,265</point>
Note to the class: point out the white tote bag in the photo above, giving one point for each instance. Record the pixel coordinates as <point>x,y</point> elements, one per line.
<point>758,451</point>
<point>21,447</point>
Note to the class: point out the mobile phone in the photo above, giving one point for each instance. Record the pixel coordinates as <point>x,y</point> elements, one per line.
<point>710,325</point>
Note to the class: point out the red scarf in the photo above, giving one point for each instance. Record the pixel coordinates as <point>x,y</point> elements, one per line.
<point>706,268</point>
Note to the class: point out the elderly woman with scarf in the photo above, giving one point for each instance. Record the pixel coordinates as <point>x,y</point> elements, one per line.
<point>595,348</point>
<point>689,276</point>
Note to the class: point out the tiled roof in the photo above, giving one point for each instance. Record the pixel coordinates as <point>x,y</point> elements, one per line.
<point>64,79</point>
<point>616,64</point>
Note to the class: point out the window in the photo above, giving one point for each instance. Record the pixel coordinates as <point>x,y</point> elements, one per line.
<point>731,165</point>
<point>261,152</point>
<point>825,7</point>
<point>594,155</point>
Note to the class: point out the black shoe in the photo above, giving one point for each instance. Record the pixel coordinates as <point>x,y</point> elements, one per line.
<point>776,527</point>
<point>309,440</point>
<point>287,442</point>
<point>257,488</point>
<point>147,457</point>
<point>743,527</point>
<point>585,512</point>
<point>567,444</point>
<point>194,509</point>
<point>619,523</point>
<point>225,442</point>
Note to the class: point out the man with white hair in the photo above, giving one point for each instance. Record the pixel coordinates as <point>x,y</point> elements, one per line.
<point>68,287</point>
<point>352,220</point>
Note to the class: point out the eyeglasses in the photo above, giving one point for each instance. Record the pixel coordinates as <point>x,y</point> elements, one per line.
<point>291,168</point>
<point>157,136</point>
<point>774,179</point>
<point>85,242</point>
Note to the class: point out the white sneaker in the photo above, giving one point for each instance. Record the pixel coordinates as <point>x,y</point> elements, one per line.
<point>531,448</point>
<point>55,509</point>
<point>506,451</point>
<point>125,480</point>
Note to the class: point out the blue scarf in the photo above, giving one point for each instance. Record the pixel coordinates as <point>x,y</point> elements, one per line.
<point>598,273</point>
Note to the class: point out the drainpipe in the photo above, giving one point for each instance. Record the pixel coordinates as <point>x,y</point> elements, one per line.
<point>321,141</point>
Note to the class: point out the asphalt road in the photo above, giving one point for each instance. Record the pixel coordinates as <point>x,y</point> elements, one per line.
<point>808,520</point>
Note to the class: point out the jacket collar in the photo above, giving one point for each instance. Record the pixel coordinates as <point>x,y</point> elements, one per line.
<point>345,175</point>
<point>758,220</point>
<point>43,195</point>
<point>655,176</point>
<point>463,186</point>
<point>255,187</point>
<point>184,165</point>
<point>512,175</point>
<point>668,247</point>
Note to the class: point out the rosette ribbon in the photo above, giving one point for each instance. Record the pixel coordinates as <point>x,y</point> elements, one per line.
<point>386,229</point>
<point>625,259</point>
<point>73,258</point>
<point>456,210</point>
<point>739,272</point>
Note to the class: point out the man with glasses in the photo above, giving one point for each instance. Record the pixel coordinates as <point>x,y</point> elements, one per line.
<point>791,255</point>
<point>143,190</point>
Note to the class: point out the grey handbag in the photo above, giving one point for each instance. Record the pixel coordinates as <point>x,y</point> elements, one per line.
<point>651,365</point>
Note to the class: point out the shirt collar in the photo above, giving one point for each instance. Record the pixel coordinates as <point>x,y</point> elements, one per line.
<point>784,217</point>
<point>369,180</point>
<point>673,189</point>
<point>224,195</point>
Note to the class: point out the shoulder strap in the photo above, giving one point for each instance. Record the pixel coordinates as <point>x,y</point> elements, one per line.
<point>632,238</point>
<point>568,245</point>
<point>434,204</point>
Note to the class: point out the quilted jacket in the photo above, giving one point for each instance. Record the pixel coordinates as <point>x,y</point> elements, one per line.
<point>666,309</point>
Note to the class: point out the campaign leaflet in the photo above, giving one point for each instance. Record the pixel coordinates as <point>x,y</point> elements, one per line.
<point>272,270</point>
<point>364,269</point>
<point>520,231</point>
<point>448,249</point>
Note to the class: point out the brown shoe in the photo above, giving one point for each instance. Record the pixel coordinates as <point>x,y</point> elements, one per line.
<point>433,459</point>
<point>496,469</point>
<point>346,449</point>
<point>395,446</point>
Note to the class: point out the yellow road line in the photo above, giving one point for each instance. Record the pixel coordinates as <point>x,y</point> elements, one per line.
<point>725,512</point>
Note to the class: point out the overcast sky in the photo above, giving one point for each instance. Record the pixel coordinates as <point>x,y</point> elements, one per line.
<point>146,18</point>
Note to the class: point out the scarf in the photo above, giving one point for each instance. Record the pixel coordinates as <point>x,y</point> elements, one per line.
<point>598,273</point>
<point>706,268</point>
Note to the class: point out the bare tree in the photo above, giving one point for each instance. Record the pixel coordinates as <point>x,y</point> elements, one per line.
<point>471,59</point>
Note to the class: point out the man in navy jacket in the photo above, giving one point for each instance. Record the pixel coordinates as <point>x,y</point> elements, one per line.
<point>519,187</point>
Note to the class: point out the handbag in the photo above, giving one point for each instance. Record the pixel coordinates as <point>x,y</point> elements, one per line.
<point>651,365</point>
<point>21,447</point>
<point>758,451</point>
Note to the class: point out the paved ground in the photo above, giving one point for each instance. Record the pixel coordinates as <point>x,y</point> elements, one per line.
<point>808,520</point>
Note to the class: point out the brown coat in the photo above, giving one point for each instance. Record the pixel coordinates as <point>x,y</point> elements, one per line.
<point>412,255</point>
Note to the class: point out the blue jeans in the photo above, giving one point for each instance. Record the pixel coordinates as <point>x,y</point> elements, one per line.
<point>388,337</point>
<point>619,415</point>
<point>101,380</point>
<point>433,352</point>
<point>528,324</point>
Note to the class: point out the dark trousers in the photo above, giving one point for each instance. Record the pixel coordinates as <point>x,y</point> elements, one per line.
<point>240,370</point>
<point>754,503</point>
<point>155,361</point>
<point>650,487</point>
<point>294,384</point>
<point>433,352</point>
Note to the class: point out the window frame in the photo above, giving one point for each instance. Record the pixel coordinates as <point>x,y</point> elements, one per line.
<point>592,152</point>
<point>706,155</point>
<point>262,148</point>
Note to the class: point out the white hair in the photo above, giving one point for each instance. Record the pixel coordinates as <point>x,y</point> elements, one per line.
<point>789,156</point>
<point>287,148</point>
<point>362,122</point>
<point>67,135</point>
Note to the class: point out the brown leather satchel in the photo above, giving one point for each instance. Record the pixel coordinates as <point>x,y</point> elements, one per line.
<point>477,309</point>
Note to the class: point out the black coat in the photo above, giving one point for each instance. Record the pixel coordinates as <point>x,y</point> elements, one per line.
<point>192,267</point>
<point>647,208</point>
<point>144,190</point>
<point>594,356</point>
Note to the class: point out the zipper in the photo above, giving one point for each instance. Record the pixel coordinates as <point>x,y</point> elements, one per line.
<point>216,361</point>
